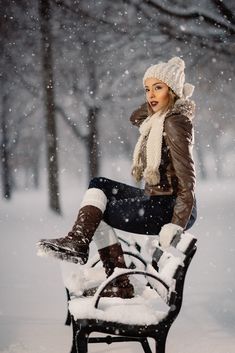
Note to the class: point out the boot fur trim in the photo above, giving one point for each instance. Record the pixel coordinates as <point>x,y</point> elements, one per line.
<point>95,197</point>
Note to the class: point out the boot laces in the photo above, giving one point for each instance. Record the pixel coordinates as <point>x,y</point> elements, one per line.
<point>77,232</point>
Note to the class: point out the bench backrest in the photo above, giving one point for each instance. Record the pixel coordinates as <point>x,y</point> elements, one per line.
<point>172,267</point>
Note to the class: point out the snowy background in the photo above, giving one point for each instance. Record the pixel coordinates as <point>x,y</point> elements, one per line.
<point>78,66</point>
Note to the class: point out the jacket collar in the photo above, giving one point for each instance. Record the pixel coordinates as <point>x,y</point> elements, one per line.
<point>184,107</point>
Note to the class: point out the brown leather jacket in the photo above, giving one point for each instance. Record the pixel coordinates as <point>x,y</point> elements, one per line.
<point>177,173</point>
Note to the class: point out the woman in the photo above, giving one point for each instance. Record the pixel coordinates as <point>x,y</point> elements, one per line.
<point>163,158</point>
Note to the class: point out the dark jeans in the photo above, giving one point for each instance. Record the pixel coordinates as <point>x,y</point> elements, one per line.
<point>129,209</point>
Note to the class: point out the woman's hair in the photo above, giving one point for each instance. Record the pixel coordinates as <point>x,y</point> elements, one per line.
<point>172,99</point>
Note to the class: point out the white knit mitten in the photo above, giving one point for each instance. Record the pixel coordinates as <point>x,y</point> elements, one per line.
<point>167,234</point>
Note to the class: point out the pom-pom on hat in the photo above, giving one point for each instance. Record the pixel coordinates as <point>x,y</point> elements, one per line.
<point>172,74</point>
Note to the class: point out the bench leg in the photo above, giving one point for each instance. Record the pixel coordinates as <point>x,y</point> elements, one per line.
<point>161,345</point>
<point>145,346</point>
<point>81,341</point>
<point>73,348</point>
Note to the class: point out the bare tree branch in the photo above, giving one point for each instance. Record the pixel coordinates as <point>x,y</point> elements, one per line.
<point>71,124</point>
<point>33,90</point>
<point>192,13</point>
<point>84,14</point>
<point>202,42</point>
<point>210,40</point>
<point>224,10</point>
<point>15,142</point>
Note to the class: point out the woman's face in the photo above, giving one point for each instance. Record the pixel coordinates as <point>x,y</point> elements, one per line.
<point>157,94</point>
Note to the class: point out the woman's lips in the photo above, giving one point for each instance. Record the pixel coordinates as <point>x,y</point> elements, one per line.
<point>154,103</point>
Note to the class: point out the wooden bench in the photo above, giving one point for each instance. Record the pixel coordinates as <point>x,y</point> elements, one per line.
<point>158,284</point>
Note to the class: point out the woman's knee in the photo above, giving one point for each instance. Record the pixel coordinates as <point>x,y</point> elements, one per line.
<point>97,182</point>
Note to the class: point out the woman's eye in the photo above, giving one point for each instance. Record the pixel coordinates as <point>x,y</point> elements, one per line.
<point>158,87</point>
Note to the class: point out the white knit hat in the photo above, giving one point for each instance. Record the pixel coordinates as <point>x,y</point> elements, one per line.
<point>172,74</point>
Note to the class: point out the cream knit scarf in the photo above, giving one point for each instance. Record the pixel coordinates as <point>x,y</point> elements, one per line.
<point>153,128</point>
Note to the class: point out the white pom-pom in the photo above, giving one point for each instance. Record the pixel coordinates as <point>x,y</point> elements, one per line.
<point>188,90</point>
<point>137,173</point>
<point>177,61</point>
<point>151,176</point>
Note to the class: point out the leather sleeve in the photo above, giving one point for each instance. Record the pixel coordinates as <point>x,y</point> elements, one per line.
<point>139,115</point>
<point>179,138</point>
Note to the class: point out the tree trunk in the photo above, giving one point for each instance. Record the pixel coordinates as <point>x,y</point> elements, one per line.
<point>48,86</point>
<point>201,162</point>
<point>217,158</point>
<point>6,173</point>
<point>36,171</point>
<point>93,111</point>
<point>92,140</point>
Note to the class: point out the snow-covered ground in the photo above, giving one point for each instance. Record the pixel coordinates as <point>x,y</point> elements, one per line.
<point>32,296</point>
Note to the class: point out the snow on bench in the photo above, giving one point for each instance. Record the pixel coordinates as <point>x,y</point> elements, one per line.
<point>157,302</point>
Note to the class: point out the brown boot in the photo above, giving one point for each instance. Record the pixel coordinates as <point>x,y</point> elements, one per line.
<point>75,246</point>
<point>112,256</point>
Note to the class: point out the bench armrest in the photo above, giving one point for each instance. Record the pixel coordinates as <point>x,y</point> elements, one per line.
<point>125,272</point>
